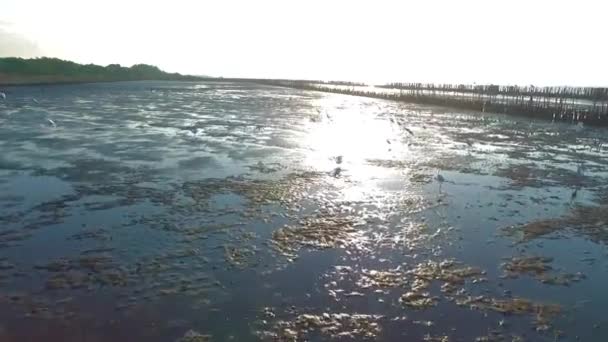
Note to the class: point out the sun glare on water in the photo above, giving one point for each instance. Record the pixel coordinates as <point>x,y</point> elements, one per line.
<point>349,133</point>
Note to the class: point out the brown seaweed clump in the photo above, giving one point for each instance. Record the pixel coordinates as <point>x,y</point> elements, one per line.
<point>85,271</point>
<point>497,336</point>
<point>442,338</point>
<point>533,230</point>
<point>534,265</point>
<point>335,325</point>
<point>542,313</point>
<point>315,233</point>
<point>286,191</point>
<point>584,220</point>
<point>418,299</point>
<point>239,257</point>
<point>448,271</point>
<point>194,336</point>
<point>374,278</point>
<point>540,269</point>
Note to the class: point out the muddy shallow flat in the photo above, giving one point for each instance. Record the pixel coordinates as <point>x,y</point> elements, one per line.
<point>164,211</point>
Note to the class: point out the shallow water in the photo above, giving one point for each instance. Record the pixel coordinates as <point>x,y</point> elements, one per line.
<point>155,209</point>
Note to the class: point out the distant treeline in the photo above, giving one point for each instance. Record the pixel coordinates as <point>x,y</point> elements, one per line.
<point>543,106</point>
<point>48,70</point>
<point>587,93</point>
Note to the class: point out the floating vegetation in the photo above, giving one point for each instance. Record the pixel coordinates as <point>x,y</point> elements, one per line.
<point>539,268</point>
<point>497,336</point>
<point>316,233</point>
<point>194,336</point>
<point>523,175</point>
<point>536,176</point>
<point>239,256</point>
<point>258,192</point>
<point>441,338</point>
<point>418,299</point>
<point>389,163</point>
<point>583,220</point>
<point>421,178</point>
<point>448,271</point>
<point>542,313</point>
<point>85,271</point>
<point>374,278</point>
<point>335,325</point>
<point>527,265</point>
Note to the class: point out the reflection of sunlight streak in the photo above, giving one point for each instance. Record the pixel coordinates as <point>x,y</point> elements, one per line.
<point>354,134</point>
<point>351,128</point>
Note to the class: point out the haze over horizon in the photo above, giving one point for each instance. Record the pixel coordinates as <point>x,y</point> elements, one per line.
<point>541,42</point>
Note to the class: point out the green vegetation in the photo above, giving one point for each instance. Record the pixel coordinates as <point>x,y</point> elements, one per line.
<point>53,70</point>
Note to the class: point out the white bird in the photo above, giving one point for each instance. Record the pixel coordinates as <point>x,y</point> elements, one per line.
<point>3,95</point>
<point>35,101</point>
<point>51,122</point>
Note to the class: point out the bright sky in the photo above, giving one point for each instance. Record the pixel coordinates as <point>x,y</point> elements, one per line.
<point>541,42</point>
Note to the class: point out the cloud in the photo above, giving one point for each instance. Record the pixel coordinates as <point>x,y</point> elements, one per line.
<point>15,45</point>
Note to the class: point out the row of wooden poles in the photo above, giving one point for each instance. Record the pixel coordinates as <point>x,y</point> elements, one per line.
<point>587,93</point>
<point>571,104</point>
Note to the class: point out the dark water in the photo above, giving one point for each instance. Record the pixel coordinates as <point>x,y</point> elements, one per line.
<point>156,211</point>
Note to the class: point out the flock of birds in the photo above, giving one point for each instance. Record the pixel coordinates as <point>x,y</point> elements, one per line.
<point>49,121</point>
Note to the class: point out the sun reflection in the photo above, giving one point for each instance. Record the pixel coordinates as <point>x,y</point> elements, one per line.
<point>352,130</point>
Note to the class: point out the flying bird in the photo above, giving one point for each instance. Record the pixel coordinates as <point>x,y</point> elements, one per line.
<point>408,130</point>
<point>51,122</point>
<point>2,95</point>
